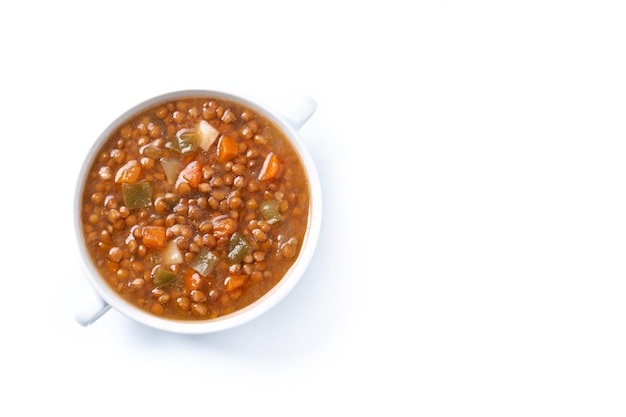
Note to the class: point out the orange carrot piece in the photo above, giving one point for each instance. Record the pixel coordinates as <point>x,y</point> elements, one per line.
<point>128,173</point>
<point>271,167</point>
<point>153,236</point>
<point>226,148</point>
<point>223,226</point>
<point>192,279</point>
<point>233,282</point>
<point>192,174</point>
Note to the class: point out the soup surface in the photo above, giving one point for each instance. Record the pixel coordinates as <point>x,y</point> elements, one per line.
<point>195,208</point>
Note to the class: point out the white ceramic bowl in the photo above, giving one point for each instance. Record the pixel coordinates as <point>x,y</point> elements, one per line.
<point>105,298</point>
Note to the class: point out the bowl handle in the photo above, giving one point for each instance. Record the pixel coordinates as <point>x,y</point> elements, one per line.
<point>90,310</point>
<point>302,112</point>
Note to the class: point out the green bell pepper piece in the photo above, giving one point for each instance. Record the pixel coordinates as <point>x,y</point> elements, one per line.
<point>204,262</point>
<point>166,278</point>
<point>238,248</point>
<point>184,143</point>
<point>137,195</point>
<point>270,211</point>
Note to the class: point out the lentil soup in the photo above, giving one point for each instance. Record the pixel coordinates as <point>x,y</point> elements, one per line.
<point>195,208</point>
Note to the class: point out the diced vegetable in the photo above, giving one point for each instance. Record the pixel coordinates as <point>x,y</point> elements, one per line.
<point>192,279</point>
<point>137,195</point>
<point>206,135</point>
<point>166,278</point>
<point>270,211</point>
<point>171,167</point>
<point>223,226</point>
<point>270,168</point>
<point>151,150</point>
<point>226,148</point>
<point>238,248</point>
<point>204,262</point>
<point>171,255</point>
<point>232,282</point>
<point>188,142</point>
<point>192,174</point>
<point>185,142</point>
<point>153,236</point>
<point>128,173</point>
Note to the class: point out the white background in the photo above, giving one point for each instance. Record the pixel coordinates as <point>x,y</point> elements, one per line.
<point>471,154</point>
